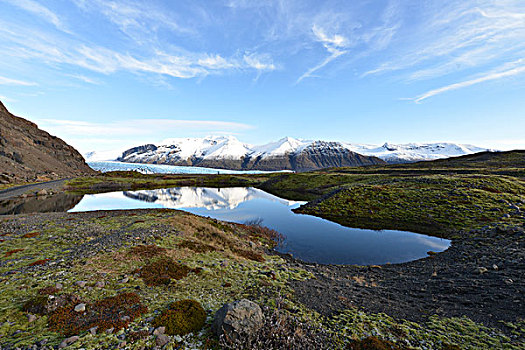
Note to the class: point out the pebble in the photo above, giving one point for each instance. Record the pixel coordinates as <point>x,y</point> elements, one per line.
<point>110,330</point>
<point>159,331</point>
<point>100,284</point>
<point>124,280</point>
<point>162,340</point>
<point>59,285</point>
<point>80,284</point>
<point>80,308</point>
<point>482,270</point>
<point>495,267</point>
<point>509,281</point>
<point>68,341</point>
<point>93,330</point>
<point>125,318</point>
<point>31,318</point>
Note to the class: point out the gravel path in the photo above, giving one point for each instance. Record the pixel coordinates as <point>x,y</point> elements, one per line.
<point>54,185</point>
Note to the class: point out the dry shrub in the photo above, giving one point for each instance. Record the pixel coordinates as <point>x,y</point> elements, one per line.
<point>147,251</point>
<point>49,290</point>
<point>162,271</point>
<point>248,254</point>
<point>113,312</point>
<point>281,331</point>
<point>31,235</point>
<point>39,262</point>
<point>182,317</point>
<point>11,252</point>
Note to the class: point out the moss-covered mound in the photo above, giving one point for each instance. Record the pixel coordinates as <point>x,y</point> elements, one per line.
<point>182,317</point>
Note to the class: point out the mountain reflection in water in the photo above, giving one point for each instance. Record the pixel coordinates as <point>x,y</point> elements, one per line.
<point>307,237</point>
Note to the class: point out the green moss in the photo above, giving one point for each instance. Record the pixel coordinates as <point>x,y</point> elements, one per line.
<point>182,317</point>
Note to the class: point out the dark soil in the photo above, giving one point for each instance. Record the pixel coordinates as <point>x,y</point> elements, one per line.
<point>451,284</point>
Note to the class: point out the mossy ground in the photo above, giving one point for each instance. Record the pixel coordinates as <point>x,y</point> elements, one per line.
<point>112,247</point>
<point>436,204</point>
<point>224,275</point>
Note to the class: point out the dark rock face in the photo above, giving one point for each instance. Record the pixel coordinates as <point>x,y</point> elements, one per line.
<point>318,155</point>
<point>137,150</point>
<point>28,153</point>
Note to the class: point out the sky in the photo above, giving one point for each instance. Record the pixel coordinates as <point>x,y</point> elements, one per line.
<point>111,74</point>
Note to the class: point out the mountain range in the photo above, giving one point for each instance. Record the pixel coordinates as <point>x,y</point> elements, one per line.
<point>285,154</point>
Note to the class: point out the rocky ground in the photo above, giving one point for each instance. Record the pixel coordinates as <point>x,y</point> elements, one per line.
<point>142,262</point>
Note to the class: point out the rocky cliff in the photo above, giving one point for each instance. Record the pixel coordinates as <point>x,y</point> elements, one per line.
<point>28,153</point>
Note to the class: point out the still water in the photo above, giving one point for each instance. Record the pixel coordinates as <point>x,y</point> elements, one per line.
<point>307,237</point>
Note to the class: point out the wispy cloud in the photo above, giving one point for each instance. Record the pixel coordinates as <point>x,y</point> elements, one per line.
<point>335,44</point>
<point>38,10</point>
<point>453,36</point>
<point>9,81</point>
<point>487,77</point>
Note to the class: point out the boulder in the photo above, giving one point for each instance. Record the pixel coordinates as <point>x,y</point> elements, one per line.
<point>240,318</point>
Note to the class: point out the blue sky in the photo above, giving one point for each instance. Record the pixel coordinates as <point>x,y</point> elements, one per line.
<point>105,74</point>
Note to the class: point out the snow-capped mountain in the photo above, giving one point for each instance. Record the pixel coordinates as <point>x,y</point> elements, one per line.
<point>229,153</point>
<point>226,152</point>
<point>413,152</point>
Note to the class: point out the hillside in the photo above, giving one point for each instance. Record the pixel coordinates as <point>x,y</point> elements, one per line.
<point>28,153</point>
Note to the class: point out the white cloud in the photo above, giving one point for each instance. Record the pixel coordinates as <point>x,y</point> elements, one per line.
<point>38,10</point>
<point>454,36</point>
<point>334,44</point>
<point>9,81</point>
<point>487,77</point>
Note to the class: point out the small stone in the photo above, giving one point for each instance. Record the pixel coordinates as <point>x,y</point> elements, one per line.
<point>482,270</point>
<point>495,267</point>
<point>509,281</point>
<point>434,274</point>
<point>42,342</point>
<point>162,340</point>
<point>159,331</point>
<point>59,285</point>
<point>122,344</point>
<point>124,280</point>
<point>80,308</point>
<point>68,341</point>
<point>125,318</point>
<point>31,318</point>
<point>93,330</point>
<point>42,192</point>
<point>506,216</point>
<point>110,330</point>
<point>80,284</point>
<point>100,284</point>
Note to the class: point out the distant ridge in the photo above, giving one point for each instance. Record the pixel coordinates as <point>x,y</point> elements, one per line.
<point>285,154</point>
<point>28,153</point>
<point>229,153</point>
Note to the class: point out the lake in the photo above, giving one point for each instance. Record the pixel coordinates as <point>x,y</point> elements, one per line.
<point>306,237</point>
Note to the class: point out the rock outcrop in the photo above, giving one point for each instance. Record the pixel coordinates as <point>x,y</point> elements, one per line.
<point>28,153</point>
